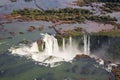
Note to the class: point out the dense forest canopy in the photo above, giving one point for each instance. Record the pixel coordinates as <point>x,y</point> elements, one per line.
<point>80,0</point>
<point>102,0</point>
<point>24,0</point>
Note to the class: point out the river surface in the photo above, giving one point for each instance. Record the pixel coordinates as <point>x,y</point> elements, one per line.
<point>18,27</point>
<point>8,7</point>
<point>21,68</point>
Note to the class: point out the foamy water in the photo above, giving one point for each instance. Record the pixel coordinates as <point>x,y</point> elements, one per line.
<point>52,52</point>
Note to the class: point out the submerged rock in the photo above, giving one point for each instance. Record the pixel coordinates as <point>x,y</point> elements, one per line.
<point>21,33</point>
<point>12,33</point>
<point>41,28</point>
<point>25,42</point>
<point>31,28</point>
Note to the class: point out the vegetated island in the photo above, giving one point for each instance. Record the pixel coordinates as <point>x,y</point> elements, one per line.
<point>62,16</point>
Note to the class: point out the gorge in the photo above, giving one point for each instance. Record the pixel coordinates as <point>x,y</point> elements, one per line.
<point>51,51</point>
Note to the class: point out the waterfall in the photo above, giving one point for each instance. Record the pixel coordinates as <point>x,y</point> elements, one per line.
<point>70,41</point>
<point>86,44</point>
<point>63,44</point>
<point>51,44</point>
<point>34,47</point>
<point>51,52</point>
<point>55,45</point>
<point>25,50</point>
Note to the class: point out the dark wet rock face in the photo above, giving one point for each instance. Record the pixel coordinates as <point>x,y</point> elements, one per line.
<point>74,69</point>
<point>116,72</point>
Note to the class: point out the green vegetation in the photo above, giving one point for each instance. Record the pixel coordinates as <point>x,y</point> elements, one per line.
<point>59,38</point>
<point>77,32</point>
<point>73,33</point>
<point>102,19</point>
<point>21,68</point>
<point>40,47</point>
<point>28,0</point>
<point>25,42</point>
<point>114,49</point>
<point>24,0</point>
<point>108,45</point>
<point>13,0</point>
<point>53,15</point>
<point>102,0</point>
<point>66,14</point>
<point>79,2</point>
<point>110,6</point>
<point>109,33</point>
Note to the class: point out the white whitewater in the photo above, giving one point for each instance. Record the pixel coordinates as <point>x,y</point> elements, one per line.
<point>25,50</point>
<point>70,41</point>
<point>51,44</point>
<point>51,51</point>
<point>86,45</point>
<point>34,47</point>
<point>63,44</point>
